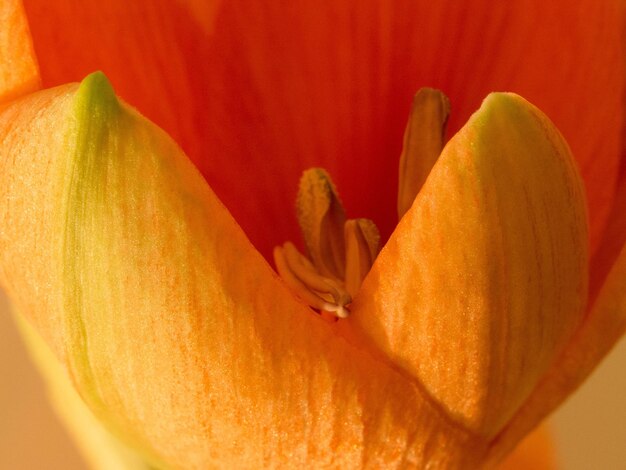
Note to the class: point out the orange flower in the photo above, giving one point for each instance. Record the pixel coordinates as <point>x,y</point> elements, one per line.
<point>471,325</point>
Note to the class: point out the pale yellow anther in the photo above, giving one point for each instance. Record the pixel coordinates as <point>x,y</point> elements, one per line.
<point>362,239</point>
<point>321,217</point>
<point>423,142</point>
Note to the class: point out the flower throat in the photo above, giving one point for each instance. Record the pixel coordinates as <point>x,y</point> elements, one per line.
<point>341,251</point>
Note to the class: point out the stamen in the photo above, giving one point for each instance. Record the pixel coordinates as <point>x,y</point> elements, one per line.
<point>423,142</point>
<point>341,252</point>
<point>305,272</point>
<point>323,294</point>
<point>333,275</point>
<point>298,287</point>
<point>321,217</point>
<point>362,239</point>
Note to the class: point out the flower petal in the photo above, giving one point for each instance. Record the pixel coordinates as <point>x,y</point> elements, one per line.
<point>614,237</point>
<point>604,325</point>
<point>102,450</point>
<point>484,279</point>
<point>279,87</point>
<point>18,67</point>
<point>535,452</point>
<point>173,329</point>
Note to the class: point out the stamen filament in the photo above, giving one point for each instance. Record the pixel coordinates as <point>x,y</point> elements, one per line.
<point>299,288</point>
<point>305,272</point>
<point>323,294</point>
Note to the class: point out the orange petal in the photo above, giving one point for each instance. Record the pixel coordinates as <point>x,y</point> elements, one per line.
<point>535,452</point>
<point>101,450</point>
<point>603,327</point>
<point>174,330</point>
<point>18,67</point>
<point>284,87</point>
<point>484,279</point>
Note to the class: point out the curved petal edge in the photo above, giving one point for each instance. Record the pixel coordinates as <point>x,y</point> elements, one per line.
<point>485,278</point>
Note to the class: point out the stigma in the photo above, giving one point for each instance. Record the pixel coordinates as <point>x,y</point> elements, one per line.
<point>341,251</point>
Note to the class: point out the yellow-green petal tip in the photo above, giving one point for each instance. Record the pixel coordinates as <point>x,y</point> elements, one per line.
<point>96,98</point>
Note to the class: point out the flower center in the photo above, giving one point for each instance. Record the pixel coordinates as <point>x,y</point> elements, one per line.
<point>341,251</point>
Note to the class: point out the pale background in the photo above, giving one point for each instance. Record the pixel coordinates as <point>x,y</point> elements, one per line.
<point>590,429</point>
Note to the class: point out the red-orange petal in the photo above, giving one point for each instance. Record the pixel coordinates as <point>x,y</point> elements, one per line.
<point>613,238</point>
<point>278,87</point>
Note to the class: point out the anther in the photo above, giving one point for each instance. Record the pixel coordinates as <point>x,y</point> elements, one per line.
<point>423,142</point>
<point>321,217</point>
